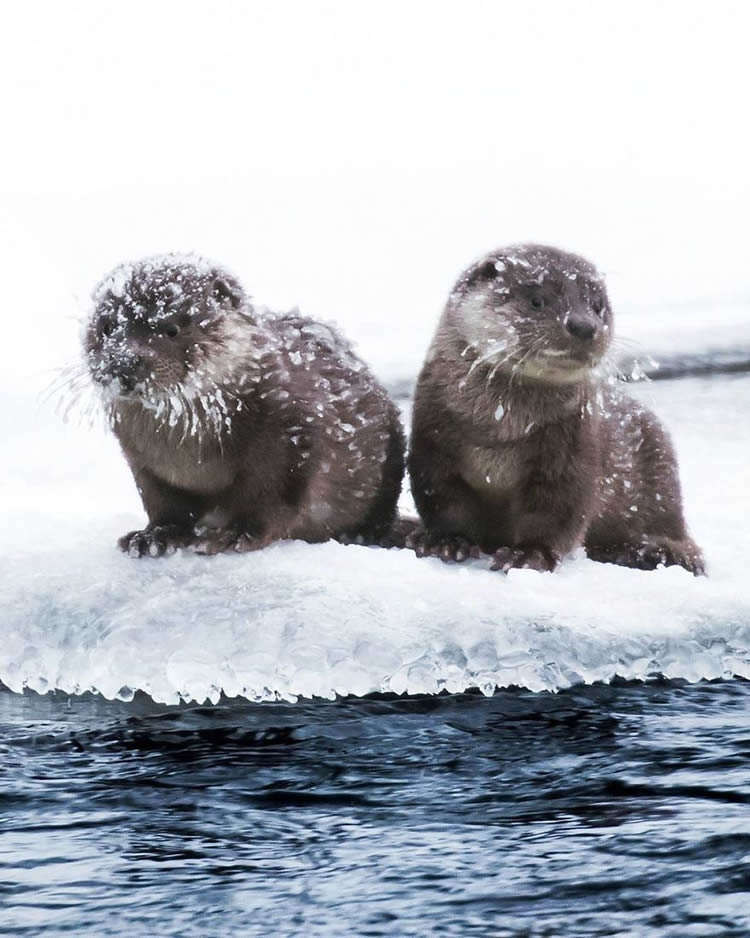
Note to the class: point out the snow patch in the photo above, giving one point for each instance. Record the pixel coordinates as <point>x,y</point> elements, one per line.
<point>316,621</point>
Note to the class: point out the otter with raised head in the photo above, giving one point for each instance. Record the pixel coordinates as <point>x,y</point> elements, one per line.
<point>240,427</point>
<point>522,444</point>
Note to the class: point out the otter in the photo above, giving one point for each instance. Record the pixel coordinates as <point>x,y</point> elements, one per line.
<point>524,445</point>
<point>240,427</point>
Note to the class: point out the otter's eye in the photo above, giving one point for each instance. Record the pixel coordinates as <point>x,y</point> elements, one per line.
<point>172,330</point>
<point>106,326</point>
<point>598,306</point>
<point>537,302</point>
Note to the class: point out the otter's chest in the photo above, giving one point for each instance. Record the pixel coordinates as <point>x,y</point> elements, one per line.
<point>495,471</point>
<point>193,462</point>
<point>189,465</point>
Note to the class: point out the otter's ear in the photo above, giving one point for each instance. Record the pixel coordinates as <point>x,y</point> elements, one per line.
<point>487,270</point>
<point>225,288</point>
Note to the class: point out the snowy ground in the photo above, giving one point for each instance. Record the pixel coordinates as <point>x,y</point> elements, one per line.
<point>299,619</point>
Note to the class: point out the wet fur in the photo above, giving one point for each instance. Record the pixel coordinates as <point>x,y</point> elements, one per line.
<point>571,460</point>
<point>288,436</point>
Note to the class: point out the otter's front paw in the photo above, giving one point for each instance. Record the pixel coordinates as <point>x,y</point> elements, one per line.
<point>229,541</point>
<point>449,548</point>
<point>528,558</point>
<point>153,541</point>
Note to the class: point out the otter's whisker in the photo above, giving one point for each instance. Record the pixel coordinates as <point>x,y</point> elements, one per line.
<point>532,350</point>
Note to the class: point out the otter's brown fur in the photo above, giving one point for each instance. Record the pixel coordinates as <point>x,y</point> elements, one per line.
<point>523,446</point>
<point>240,427</point>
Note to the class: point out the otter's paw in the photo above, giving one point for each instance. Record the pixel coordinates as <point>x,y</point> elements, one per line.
<point>651,553</point>
<point>528,558</point>
<point>153,541</point>
<point>347,539</point>
<point>449,548</point>
<point>393,535</point>
<point>399,533</point>
<point>227,541</point>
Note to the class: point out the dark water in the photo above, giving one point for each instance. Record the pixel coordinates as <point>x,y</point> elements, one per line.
<point>619,810</point>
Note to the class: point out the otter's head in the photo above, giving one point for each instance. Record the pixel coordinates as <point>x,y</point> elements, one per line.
<point>160,323</point>
<point>534,311</point>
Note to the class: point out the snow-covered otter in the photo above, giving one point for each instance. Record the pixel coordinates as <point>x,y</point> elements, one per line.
<point>522,445</point>
<point>240,427</point>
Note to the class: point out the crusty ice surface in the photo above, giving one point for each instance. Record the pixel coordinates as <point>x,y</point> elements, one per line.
<point>299,619</point>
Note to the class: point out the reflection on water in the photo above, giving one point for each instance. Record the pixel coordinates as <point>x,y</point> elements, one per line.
<point>598,811</point>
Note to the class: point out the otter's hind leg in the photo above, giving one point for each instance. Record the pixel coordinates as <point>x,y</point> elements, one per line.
<point>642,524</point>
<point>648,553</point>
<point>381,526</point>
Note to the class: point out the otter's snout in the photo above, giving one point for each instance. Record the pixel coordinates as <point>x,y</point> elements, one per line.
<point>581,327</point>
<point>127,367</point>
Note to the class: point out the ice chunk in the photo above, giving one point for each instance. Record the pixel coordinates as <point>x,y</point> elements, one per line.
<point>294,619</point>
<point>299,619</point>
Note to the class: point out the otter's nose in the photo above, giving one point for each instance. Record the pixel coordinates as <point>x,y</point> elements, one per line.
<point>127,382</point>
<point>581,327</point>
<point>127,368</point>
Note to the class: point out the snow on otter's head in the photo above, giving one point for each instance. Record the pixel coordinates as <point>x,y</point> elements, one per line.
<point>533,310</point>
<point>162,323</point>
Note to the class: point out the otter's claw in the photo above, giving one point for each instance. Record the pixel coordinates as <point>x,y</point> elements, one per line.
<point>529,558</point>
<point>449,549</point>
<point>220,542</point>
<point>153,541</point>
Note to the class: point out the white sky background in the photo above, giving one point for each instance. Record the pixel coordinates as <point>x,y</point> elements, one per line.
<point>352,158</point>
